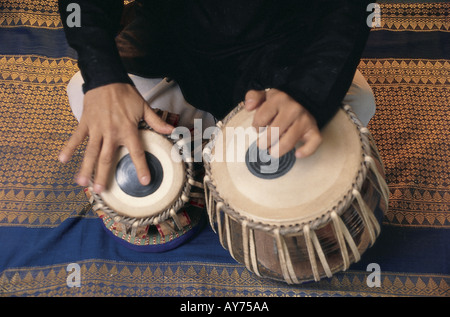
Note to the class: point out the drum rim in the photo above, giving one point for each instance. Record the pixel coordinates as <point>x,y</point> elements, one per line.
<point>297,227</point>
<point>183,195</point>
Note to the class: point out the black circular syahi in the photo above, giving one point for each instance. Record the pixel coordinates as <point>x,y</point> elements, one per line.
<point>261,164</point>
<point>126,176</point>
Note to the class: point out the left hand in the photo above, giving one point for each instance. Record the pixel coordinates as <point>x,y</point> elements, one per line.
<point>276,109</point>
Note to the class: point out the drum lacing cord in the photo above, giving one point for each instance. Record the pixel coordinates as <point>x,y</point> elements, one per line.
<point>227,225</point>
<point>343,235</point>
<point>367,216</point>
<point>313,244</point>
<point>228,232</point>
<point>214,209</point>
<point>287,268</point>
<point>248,244</point>
<point>248,239</point>
<point>382,187</point>
<point>209,201</point>
<point>365,131</point>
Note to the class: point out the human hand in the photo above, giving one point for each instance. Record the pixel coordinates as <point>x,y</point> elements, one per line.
<point>276,109</point>
<point>110,118</point>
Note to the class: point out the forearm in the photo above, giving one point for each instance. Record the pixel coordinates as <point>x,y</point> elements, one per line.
<point>321,77</point>
<point>93,40</point>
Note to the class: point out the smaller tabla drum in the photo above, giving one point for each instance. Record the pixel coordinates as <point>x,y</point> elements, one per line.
<point>308,218</point>
<point>165,213</point>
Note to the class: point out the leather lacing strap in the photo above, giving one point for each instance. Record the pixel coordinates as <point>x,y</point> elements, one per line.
<point>365,131</point>
<point>313,246</point>
<point>253,256</point>
<point>370,222</point>
<point>382,185</point>
<point>228,234</point>
<point>219,222</point>
<point>248,245</point>
<point>210,203</point>
<point>344,236</point>
<point>284,257</point>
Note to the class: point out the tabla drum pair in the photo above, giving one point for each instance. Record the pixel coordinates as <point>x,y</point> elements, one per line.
<point>162,215</point>
<point>308,218</point>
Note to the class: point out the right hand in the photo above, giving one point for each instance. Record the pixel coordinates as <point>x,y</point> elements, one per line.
<point>110,118</point>
<point>276,109</point>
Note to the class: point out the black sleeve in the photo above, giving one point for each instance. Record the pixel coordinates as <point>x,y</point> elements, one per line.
<point>94,41</point>
<point>321,78</point>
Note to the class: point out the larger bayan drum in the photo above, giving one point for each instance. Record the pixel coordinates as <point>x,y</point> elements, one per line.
<point>305,219</point>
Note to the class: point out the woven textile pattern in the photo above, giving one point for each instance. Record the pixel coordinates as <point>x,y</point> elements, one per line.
<point>46,222</point>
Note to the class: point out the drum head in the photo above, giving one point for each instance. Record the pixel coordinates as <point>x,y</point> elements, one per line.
<point>303,191</point>
<point>124,193</point>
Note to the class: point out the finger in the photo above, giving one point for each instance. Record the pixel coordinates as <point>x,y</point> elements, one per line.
<point>104,165</point>
<point>265,114</point>
<point>280,124</point>
<point>89,161</point>
<point>287,141</point>
<point>254,99</point>
<point>263,118</point>
<point>137,154</point>
<point>155,121</point>
<point>312,139</point>
<point>74,141</point>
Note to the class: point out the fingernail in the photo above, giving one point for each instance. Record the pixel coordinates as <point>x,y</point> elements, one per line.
<point>145,180</point>
<point>298,154</point>
<point>62,158</point>
<point>82,181</point>
<point>98,188</point>
<point>169,128</point>
<point>249,102</point>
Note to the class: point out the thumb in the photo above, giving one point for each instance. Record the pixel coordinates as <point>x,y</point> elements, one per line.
<point>155,121</point>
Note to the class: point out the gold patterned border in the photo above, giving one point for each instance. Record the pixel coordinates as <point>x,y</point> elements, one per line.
<point>419,17</point>
<point>409,72</point>
<point>41,208</point>
<point>13,18</point>
<point>42,14</point>
<point>419,207</point>
<point>35,69</point>
<point>110,278</point>
<point>422,17</point>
